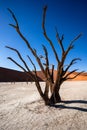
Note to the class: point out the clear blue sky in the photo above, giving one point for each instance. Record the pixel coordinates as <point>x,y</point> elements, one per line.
<point>69,16</point>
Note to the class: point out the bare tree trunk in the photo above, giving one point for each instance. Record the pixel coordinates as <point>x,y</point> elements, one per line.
<point>55,97</point>
<point>46,94</point>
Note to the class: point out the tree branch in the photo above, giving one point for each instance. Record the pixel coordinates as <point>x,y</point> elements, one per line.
<point>25,40</point>
<point>60,40</point>
<point>66,77</point>
<point>71,44</point>
<point>28,74</point>
<point>52,74</point>
<point>17,26</point>
<point>17,64</point>
<point>76,38</point>
<point>19,55</point>
<point>71,63</point>
<point>47,61</point>
<point>75,75</point>
<point>45,34</point>
<point>37,81</point>
<point>35,71</point>
<point>46,54</point>
<point>32,63</point>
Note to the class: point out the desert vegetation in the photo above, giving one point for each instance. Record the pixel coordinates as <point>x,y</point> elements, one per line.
<point>63,73</point>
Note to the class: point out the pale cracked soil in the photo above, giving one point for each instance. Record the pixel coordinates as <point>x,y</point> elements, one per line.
<point>21,108</point>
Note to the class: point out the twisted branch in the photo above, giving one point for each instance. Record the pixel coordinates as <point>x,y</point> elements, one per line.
<point>24,39</point>
<point>66,77</point>
<point>71,63</point>
<point>46,36</point>
<point>17,64</point>
<point>60,40</point>
<point>75,75</point>
<point>20,57</point>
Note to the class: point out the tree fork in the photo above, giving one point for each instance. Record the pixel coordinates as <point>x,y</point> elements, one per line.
<point>63,74</point>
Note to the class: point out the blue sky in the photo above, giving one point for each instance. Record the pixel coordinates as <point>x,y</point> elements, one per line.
<point>69,16</point>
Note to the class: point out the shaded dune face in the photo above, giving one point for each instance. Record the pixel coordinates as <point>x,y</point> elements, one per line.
<point>9,75</point>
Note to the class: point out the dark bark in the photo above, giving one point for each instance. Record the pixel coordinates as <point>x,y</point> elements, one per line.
<point>55,98</point>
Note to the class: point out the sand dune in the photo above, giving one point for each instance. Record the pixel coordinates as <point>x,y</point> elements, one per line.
<point>8,75</point>
<point>21,108</point>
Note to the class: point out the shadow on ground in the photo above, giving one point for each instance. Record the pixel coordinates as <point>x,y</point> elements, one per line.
<point>72,107</point>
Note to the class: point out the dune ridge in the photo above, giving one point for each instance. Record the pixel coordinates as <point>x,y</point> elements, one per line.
<point>9,75</point>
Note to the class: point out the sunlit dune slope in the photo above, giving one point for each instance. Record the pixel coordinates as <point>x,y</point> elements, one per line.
<point>9,75</point>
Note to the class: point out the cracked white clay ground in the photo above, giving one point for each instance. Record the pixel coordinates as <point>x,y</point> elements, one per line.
<point>21,108</point>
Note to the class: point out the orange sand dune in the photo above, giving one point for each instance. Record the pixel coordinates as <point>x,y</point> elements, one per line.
<point>9,75</point>
<point>81,77</point>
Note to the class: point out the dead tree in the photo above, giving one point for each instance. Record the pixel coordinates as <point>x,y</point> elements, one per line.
<point>63,73</point>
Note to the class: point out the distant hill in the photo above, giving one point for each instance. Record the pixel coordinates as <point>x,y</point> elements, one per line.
<point>9,75</point>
